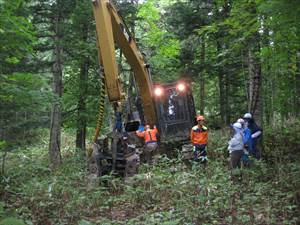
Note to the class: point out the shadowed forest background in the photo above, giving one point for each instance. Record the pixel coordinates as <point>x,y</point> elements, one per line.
<point>240,56</point>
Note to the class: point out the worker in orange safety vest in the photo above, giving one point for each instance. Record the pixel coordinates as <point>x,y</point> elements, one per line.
<point>150,138</point>
<point>199,136</point>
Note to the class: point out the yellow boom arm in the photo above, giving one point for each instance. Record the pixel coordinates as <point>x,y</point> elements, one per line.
<point>111,29</point>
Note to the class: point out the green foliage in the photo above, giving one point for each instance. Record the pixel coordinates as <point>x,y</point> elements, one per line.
<point>281,144</point>
<point>230,29</point>
<point>2,144</point>
<point>169,192</point>
<point>21,91</point>
<point>16,35</point>
<point>84,222</point>
<point>4,220</point>
<point>19,94</point>
<point>11,221</point>
<point>280,57</point>
<point>2,209</point>
<point>161,46</point>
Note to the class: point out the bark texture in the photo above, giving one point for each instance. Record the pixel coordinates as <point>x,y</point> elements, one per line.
<point>81,121</point>
<point>55,127</point>
<point>202,80</point>
<point>255,79</point>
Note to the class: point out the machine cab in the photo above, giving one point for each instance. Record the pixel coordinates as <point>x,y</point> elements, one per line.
<point>175,110</point>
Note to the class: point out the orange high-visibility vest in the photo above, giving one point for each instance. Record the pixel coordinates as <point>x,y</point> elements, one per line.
<point>199,135</point>
<point>148,135</point>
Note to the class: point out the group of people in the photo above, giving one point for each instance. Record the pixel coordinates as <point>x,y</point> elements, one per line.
<point>245,136</point>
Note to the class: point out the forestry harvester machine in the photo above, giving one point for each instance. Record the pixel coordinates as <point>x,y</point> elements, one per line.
<point>169,106</point>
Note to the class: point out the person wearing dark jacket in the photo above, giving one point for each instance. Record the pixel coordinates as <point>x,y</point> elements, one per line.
<point>256,133</point>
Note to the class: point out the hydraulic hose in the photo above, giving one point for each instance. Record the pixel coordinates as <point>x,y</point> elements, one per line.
<point>89,150</point>
<point>101,109</point>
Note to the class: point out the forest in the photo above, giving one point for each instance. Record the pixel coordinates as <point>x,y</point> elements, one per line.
<point>238,56</point>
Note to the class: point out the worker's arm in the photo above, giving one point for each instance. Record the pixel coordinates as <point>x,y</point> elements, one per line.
<point>256,134</point>
<point>155,129</point>
<point>140,133</point>
<point>257,131</point>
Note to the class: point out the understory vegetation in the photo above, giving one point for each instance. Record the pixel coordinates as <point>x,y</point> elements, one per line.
<point>169,192</point>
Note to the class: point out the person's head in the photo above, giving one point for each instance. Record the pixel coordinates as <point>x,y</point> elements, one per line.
<point>200,120</point>
<point>236,127</point>
<point>247,116</point>
<point>241,121</point>
<point>248,119</point>
<point>147,127</point>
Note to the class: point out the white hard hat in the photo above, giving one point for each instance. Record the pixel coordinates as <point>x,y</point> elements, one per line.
<point>241,121</point>
<point>237,125</point>
<point>247,116</point>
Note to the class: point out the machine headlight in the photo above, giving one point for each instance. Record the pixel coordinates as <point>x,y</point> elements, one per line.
<point>181,87</point>
<point>158,91</point>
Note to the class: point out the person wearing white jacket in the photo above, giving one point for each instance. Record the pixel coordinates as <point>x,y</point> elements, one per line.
<point>236,146</point>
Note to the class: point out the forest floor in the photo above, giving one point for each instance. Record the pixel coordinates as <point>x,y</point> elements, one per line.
<point>169,192</point>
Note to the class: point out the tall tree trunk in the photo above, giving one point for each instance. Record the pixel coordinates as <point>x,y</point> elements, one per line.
<point>266,82</point>
<point>226,98</point>
<point>297,85</point>
<point>202,86</point>
<point>255,79</point>
<point>223,89</point>
<point>81,118</point>
<point>224,86</point>
<point>55,128</point>
<point>83,77</point>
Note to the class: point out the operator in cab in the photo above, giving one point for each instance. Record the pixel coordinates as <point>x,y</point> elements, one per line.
<point>150,138</point>
<point>199,136</point>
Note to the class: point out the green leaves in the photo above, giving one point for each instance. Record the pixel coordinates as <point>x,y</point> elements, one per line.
<point>16,35</point>
<point>209,29</point>
<point>2,144</point>
<point>5,220</point>
<point>19,94</point>
<point>11,221</point>
<point>84,222</point>
<point>149,12</point>
<point>162,47</point>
